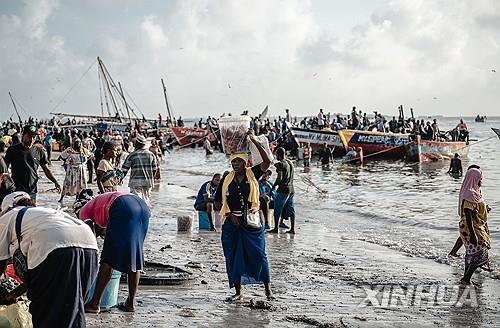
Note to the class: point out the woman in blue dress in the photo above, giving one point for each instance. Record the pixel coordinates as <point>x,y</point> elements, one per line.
<point>244,246</point>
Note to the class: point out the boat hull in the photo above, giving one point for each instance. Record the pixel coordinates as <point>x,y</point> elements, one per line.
<point>497,131</point>
<point>429,151</point>
<point>188,136</point>
<point>317,138</point>
<point>381,144</point>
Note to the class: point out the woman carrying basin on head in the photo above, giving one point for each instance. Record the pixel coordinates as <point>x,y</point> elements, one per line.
<point>243,245</point>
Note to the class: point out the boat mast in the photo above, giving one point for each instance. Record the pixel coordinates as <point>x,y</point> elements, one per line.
<point>125,101</point>
<point>101,66</point>
<point>166,101</point>
<point>15,108</point>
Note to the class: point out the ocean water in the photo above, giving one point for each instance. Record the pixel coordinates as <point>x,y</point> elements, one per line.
<point>411,208</point>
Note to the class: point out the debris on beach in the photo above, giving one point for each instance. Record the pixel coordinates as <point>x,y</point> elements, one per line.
<point>195,265</point>
<point>313,322</point>
<point>261,305</point>
<point>186,312</point>
<point>323,260</point>
<point>165,247</point>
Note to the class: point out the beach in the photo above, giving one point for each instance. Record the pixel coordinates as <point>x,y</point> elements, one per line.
<point>387,227</point>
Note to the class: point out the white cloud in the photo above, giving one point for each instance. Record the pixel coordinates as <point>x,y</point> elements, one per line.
<point>271,52</point>
<point>154,32</point>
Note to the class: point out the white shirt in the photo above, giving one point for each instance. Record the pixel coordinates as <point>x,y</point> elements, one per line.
<point>42,231</point>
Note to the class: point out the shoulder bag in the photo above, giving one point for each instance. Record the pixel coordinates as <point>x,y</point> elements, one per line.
<point>19,260</point>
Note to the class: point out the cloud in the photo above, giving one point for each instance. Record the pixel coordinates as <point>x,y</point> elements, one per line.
<point>271,52</point>
<point>154,32</point>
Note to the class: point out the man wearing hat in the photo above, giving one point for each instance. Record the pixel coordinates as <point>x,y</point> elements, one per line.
<point>143,169</point>
<point>24,160</point>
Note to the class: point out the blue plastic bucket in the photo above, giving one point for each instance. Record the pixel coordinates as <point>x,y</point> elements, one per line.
<point>110,296</point>
<point>204,222</point>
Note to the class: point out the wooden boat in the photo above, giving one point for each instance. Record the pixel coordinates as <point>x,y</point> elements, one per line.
<point>497,131</point>
<point>480,119</point>
<point>317,138</point>
<point>426,150</point>
<point>192,136</point>
<point>381,144</point>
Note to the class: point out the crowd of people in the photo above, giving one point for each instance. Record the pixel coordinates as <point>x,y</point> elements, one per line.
<point>241,198</point>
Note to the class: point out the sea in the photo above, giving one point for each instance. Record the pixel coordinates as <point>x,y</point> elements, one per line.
<point>408,207</point>
<point>386,223</point>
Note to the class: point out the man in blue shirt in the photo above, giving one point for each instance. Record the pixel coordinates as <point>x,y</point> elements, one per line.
<point>205,198</point>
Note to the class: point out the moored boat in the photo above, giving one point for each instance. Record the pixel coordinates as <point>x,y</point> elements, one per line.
<point>192,136</point>
<point>427,150</point>
<point>381,144</point>
<point>317,138</point>
<point>480,119</point>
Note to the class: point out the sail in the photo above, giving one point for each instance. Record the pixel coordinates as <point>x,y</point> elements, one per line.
<point>264,113</point>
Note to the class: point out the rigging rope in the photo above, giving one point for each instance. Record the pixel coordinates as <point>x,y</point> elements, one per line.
<point>74,85</point>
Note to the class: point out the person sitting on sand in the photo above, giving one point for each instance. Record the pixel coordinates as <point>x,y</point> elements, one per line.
<point>126,220</point>
<point>473,226</point>
<point>455,166</point>
<point>244,246</point>
<point>205,199</point>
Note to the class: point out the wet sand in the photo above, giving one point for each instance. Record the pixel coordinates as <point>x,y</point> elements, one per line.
<point>309,291</point>
<point>329,293</point>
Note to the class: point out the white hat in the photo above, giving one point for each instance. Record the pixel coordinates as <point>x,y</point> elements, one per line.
<point>10,201</point>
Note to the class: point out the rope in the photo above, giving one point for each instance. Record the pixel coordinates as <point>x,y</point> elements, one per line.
<point>74,85</point>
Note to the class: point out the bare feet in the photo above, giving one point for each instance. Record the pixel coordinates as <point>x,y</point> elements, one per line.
<point>469,283</point>
<point>90,308</point>
<point>291,232</point>
<point>126,306</point>
<point>235,298</point>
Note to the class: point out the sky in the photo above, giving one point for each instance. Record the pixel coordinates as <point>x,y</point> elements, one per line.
<point>439,57</point>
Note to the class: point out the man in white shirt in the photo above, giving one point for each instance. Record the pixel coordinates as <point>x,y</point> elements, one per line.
<point>61,254</point>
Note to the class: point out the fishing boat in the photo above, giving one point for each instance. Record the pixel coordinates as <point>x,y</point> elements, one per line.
<point>497,131</point>
<point>192,136</point>
<point>480,119</point>
<point>427,150</point>
<point>317,138</point>
<point>381,144</point>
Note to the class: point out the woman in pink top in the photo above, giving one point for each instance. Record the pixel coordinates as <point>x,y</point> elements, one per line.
<point>126,219</point>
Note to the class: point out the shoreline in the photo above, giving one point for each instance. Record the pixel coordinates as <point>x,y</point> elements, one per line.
<point>319,274</point>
